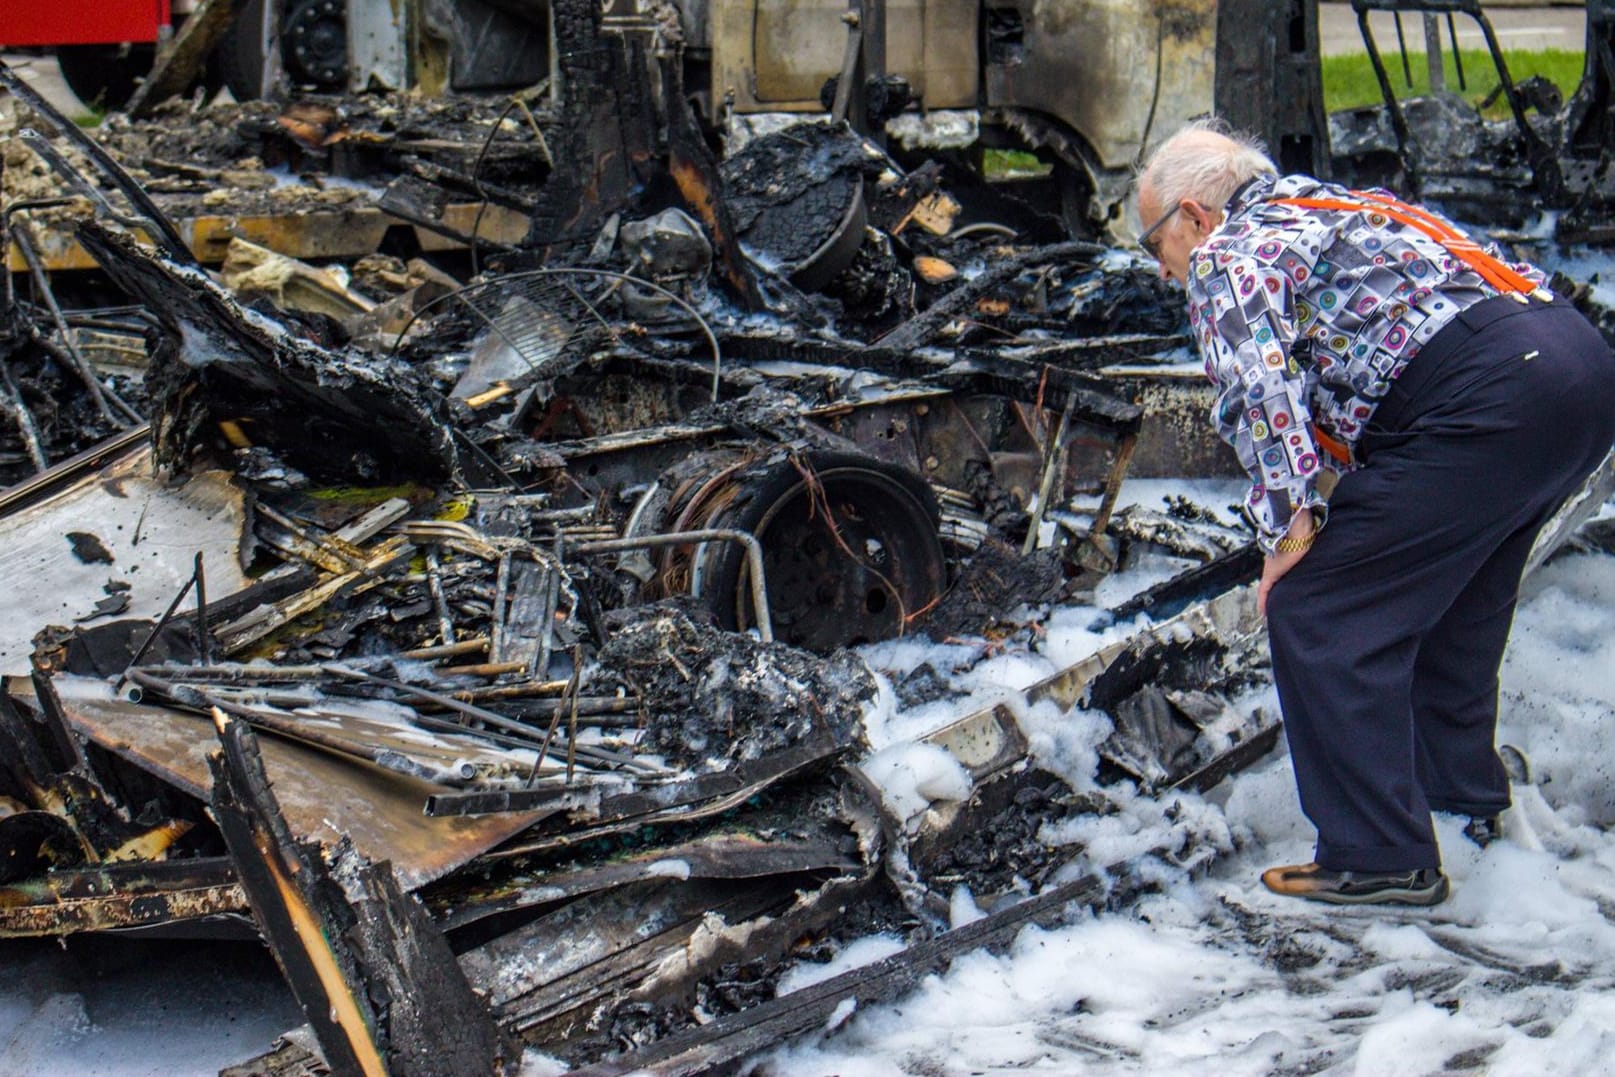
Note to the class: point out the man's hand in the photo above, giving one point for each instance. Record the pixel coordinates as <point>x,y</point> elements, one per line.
<point>1277,564</point>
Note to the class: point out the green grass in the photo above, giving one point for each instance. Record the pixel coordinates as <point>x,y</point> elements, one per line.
<point>1014,164</point>
<point>1348,80</point>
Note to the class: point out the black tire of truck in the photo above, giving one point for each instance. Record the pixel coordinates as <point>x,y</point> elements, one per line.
<point>309,25</point>
<point>104,77</point>
<point>239,55</point>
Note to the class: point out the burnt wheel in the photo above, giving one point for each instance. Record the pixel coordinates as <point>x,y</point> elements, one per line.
<point>314,43</point>
<point>850,551</point>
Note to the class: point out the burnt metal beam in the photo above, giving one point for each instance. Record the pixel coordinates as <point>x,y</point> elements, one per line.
<point>1268,79</point>
<point>104,897</point>
<point>373,975</point>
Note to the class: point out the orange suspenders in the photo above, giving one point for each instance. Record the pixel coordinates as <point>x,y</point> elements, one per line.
<point>1338,449</point>
<point>1492,271</point>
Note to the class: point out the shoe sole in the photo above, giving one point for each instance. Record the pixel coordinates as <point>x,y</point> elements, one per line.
<point>1391,895</point>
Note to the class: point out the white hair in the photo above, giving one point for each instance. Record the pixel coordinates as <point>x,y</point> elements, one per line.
<point>1206,161</point>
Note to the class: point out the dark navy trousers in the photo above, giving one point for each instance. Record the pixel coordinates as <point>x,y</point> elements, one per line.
<point>1387,636</point>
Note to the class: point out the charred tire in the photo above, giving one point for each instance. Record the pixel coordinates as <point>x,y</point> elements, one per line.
<point>105,76</point>
<point>851,552</point>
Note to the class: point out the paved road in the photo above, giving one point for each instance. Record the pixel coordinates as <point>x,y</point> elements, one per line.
<point>40,73</point>
<point>1516,28</point>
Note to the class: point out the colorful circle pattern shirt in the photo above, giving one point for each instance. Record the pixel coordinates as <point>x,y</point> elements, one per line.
<point>1304,318</point>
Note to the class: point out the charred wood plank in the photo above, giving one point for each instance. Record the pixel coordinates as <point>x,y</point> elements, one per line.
<point>550,980</point>
<point>731,1039</point>
<point>597,944</point>
<point>375,978</point>
<point>695,171</point>
<point>275,870</point>
<point>179,65</point>
<point>523,615</point>
<point>1090,353</point>
<point>294,540</point>
<point>606,131</point>
<point>289,579</point>
<point>262,621</point>
<point>646,808</point>
<point>571,1016</point>
<point>738,854</point>
<point>443,176</point>
<point>1098,401</point>
<point>412,199</point>
<point>272,587</point>
<point>1231,761</point>
<point>1171,597</point>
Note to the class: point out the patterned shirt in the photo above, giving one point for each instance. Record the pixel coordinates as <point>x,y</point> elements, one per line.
<point>1363,291</point>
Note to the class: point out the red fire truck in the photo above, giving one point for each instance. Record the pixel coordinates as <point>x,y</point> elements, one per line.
<point>105,47</point>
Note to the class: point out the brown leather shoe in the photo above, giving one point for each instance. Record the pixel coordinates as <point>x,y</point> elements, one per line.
<point>1426,886</point>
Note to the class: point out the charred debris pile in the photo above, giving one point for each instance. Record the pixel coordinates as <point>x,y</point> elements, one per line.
<point>526,474</point>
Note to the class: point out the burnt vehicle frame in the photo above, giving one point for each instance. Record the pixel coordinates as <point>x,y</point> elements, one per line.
<point>513,824</point>
<point>1432,147</point>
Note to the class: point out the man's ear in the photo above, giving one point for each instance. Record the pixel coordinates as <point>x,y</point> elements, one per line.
<point>1203,218</point>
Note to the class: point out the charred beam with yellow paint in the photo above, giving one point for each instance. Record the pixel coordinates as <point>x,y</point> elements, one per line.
<point>375,978</point>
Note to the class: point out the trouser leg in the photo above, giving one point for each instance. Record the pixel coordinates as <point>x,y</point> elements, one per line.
<point>1344,646</point>
<point>1455,689</point>
<point>1496,446</point>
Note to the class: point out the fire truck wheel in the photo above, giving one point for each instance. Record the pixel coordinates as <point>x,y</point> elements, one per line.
<point>239,56</point>
<point>104,76</point>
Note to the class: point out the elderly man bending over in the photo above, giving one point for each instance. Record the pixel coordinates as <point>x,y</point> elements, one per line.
<point>1452,403</point>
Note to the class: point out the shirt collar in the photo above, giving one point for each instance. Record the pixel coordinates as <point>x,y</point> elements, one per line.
<point>1253,190</point>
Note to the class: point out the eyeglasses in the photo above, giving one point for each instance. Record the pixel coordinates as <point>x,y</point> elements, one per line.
<point>1146,238</point>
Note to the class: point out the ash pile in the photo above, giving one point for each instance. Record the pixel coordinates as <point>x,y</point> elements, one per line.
<point>457,584</point>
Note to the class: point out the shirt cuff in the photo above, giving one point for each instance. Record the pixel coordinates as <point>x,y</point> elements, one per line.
<point>1267,539</point>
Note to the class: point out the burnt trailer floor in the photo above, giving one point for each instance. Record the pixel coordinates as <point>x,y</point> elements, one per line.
<point>495,674</point>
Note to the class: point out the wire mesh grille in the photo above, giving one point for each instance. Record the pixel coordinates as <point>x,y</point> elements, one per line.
<point>544,321</point>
